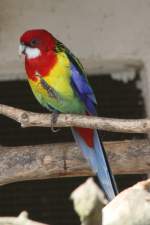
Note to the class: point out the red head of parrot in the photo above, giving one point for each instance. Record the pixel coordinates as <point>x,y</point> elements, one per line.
<point>38,47</point>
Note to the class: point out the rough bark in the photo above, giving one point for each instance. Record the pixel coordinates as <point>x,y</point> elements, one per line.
<point>65,159</point>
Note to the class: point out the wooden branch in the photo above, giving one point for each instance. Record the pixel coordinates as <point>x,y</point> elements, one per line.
<point>88,202</point>
<point>130,207</point>
<point>22,219</point>
<point>65,159</point>
<point>30,119</point>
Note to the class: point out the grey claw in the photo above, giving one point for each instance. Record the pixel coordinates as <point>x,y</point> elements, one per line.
<point>55,130</point>
<point>53,121</point>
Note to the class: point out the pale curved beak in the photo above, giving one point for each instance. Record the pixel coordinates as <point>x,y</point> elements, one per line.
<point>22,49</point>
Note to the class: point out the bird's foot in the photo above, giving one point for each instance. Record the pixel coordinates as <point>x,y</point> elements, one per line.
<point>54,117</point>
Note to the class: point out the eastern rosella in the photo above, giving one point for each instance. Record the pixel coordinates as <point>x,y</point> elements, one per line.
<point>59,83</point>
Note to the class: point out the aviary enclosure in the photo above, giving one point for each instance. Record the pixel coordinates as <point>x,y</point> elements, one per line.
<point>40,169</point>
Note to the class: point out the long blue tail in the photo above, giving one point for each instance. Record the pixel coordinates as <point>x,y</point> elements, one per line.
<point>96,157</point>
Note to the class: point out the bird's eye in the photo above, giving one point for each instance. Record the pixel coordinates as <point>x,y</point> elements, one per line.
<point>33,42</point>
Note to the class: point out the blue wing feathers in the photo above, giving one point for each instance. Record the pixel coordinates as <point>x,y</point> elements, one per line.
<point>79,80</point>
<point>83,89</point>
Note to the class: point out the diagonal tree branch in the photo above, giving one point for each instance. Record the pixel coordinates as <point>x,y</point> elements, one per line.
<point>30,119</point>
<point>130,207</point>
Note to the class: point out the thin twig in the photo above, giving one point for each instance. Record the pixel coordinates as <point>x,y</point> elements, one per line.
<point>30,119</point>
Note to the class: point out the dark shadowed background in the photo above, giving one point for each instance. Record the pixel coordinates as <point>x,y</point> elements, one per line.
<point>48,200</point>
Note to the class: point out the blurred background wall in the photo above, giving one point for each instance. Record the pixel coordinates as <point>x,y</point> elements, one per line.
<point>112,39</point>
<point>100,32</point>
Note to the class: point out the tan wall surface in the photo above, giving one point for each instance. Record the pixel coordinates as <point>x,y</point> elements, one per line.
<point>95,30</point>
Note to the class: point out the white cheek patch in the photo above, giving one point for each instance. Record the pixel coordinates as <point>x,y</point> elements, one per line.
<point>32,52</point>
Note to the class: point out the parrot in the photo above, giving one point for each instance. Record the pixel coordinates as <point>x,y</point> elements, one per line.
<point>59,83</point>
